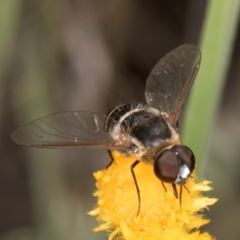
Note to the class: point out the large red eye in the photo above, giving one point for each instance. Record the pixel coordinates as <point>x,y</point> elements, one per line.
<point>186,155</point>
<point>166,166</point>
<point>174,165</point>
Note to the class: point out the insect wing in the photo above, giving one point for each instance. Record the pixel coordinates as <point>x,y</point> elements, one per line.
<point>67,130</point>
<point>171,79</point>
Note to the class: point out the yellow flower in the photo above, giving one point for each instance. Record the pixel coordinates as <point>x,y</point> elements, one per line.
<point>160,216</point>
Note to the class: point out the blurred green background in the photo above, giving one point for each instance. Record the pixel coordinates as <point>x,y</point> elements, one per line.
<point>68,55</point>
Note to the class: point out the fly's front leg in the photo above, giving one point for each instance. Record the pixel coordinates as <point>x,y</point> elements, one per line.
<point>135,181</point>
<point>111,157</point>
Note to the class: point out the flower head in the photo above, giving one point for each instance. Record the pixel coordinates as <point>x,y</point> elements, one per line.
<point>160,215</point>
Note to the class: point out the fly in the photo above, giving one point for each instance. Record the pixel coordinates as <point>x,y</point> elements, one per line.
<point>148,131</point>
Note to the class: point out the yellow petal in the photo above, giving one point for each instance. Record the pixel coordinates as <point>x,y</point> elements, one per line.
<point>160,216</point>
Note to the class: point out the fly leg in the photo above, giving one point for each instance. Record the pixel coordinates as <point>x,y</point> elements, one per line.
<point>175,192</point>
<point>164,186</point>
<point>135,182</point>
<point>111,157</point>
<point>133,175</point>
<point>186,188</point>
<point>180,193</point>
<point>180,197</point>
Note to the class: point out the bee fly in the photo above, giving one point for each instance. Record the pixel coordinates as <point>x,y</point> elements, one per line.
<point>149,131</point>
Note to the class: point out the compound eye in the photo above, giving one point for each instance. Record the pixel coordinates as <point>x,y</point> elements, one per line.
<point>186,155</point>
<point>166,166</point>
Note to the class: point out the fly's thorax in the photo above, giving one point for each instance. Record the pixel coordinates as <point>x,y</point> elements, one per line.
<point>151,153</point>
<point>144,127</point>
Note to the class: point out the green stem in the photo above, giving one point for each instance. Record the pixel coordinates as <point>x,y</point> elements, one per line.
<point>217,42</point>
<point>10,13</point>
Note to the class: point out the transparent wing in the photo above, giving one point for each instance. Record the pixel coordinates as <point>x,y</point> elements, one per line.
<point>67,130</point>
<point>171,79</point>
